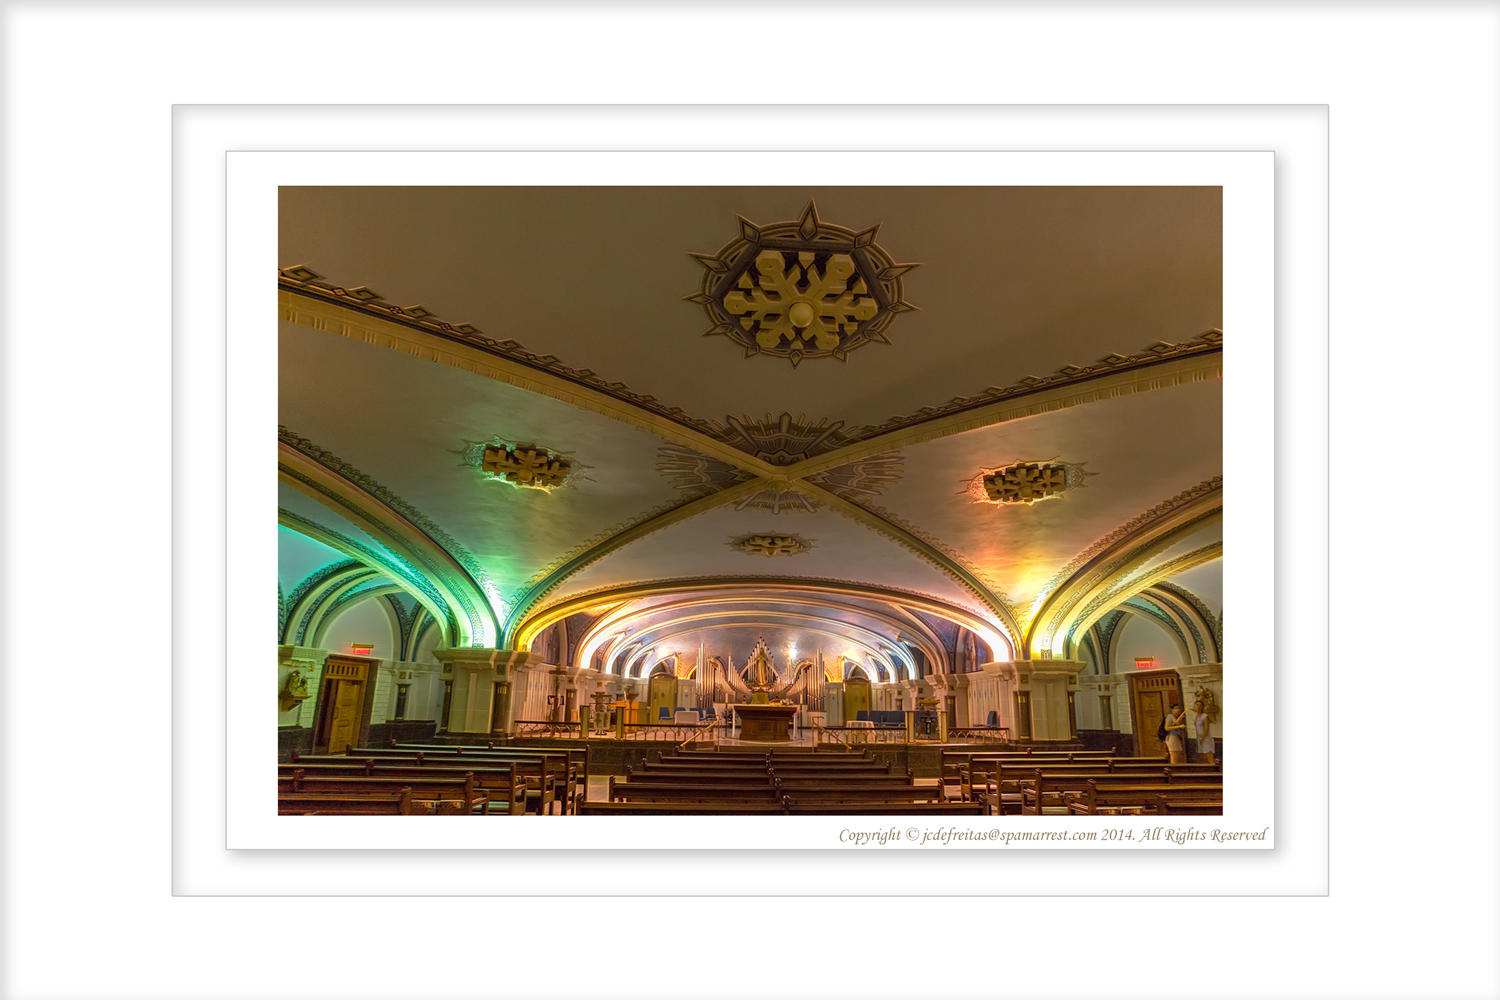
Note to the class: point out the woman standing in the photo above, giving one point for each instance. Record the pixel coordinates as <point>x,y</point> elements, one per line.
<point>1201,722</point>
<point>1176,726</point>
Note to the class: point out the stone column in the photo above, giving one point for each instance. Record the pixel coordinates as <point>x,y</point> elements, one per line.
<point>308,662</point>
<point>477,672</point>
<point>1048,683</point>
<point>960,690</point>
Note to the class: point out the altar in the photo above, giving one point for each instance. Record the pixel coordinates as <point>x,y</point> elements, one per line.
<point>766,723</point>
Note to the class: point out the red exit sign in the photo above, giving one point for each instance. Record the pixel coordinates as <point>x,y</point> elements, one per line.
<point>1145,662</point>
<point>366,648</point>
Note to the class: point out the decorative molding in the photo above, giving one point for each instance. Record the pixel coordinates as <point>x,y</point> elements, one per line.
<point>390,564</point>
<point>1210,621</point>
<point>422,522</point>
<point>543,617</point>
<point>1210,341</point>
<point>309,583</point>
<point>300,283</point>
<point>771,545</point>
<point>302,280</point>
<point>801,289</point>
<point>1159,512</point>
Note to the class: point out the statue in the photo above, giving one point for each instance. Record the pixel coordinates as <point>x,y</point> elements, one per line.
<point>294,691</point>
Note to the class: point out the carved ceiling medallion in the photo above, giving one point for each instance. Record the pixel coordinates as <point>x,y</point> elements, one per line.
<point>1025,482</point>
<point>523,465</point>
<point>771,545</point>
<point>803,289</point>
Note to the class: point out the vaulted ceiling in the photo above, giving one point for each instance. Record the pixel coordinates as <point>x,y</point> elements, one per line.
<point>503,401</point>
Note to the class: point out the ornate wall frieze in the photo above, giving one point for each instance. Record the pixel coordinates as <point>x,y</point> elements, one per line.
<point>771,545</point>
<point>801,289</point>
<point>303,281</point>
<point>1209,618</point>
<point>447,542</point>
<point>311,581</point>
<point>1205,343</point>
<point>1162,510</point>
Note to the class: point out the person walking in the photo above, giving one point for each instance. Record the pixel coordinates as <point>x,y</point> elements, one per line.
<point>1176,726</point>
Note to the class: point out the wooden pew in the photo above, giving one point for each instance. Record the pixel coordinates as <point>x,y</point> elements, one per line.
<point>548,777</point>
<point>435,790</point>
<point>1046,788</point>
<point>634,791</point>
<point>578,758</point>
<point>1132,799</point>
<point>682,808</point>
<point>396,803</point>
<point>812,807</point>
<point>1207,805</point>
<point>507,795</point>
<point>989,779</point>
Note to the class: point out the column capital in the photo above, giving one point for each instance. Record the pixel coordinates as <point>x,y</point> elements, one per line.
<point>481,658</point>
<point>1046,668</point>
<point>311,654</point>
<point>1201,673</point>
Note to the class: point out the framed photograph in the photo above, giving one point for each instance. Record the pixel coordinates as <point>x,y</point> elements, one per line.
<point>746,530</point>
<point>696,512</point>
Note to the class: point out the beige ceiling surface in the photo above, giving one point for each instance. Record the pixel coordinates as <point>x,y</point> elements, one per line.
<point>1135,451</point>
<point>841,550</point>
<point>1012,282</point>
<point>406,423</point>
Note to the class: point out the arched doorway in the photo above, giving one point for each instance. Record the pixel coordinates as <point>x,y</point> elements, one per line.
<point>856,695</point>
<point>661,692</point>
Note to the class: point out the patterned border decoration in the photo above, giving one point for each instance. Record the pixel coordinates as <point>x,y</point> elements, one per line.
<point>280,612</point>
<point>460,554</point>
<point>1209,618</point>
<point>1156,513</point>
<point>406,617</point>
<point>313,579</point>
<point>302,280</point>
<point>408,574</point>
<point>801,289</point>
<point>1207,342</point>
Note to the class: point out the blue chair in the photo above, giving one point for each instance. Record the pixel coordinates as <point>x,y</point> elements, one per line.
<point>663,713</point>
<point>862,716</point>
<point>993,721</point>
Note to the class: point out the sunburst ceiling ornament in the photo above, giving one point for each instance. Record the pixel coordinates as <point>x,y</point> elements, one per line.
<point>1025,482</point>
<point>803,289</point>
<point>771,545</point>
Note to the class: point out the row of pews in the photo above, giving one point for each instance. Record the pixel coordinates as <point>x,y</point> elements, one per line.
<point>779,781</point>
<point>1081,782</point>
<point>406,779</point>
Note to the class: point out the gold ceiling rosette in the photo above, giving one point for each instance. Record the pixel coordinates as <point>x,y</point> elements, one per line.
<point>801,289</point>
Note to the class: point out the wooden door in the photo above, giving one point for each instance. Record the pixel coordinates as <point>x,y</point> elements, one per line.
<point>1151,694</point>
<point>343,728</point>
<point>661,693</point>
<point>856,698</point>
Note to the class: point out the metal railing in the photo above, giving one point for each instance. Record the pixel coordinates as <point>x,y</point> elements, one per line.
<point>857,736</point>
<point>556,730</point>
<point>707,733</point>
<point>979,734</point>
